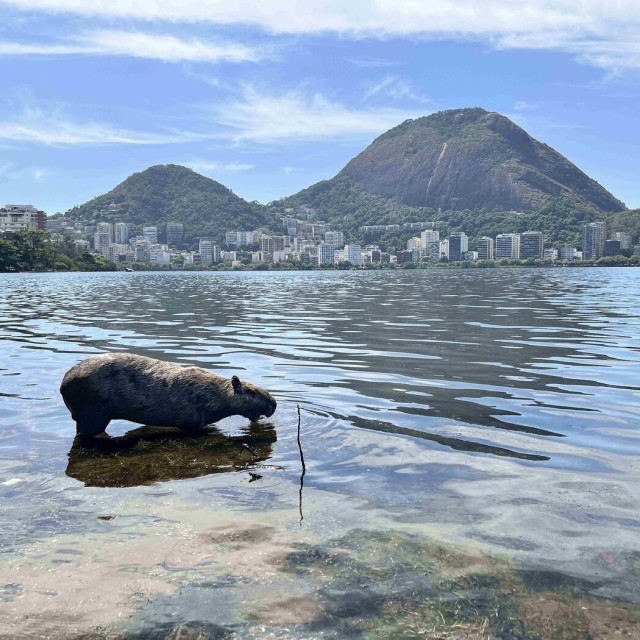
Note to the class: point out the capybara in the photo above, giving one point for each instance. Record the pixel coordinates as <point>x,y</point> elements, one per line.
<point>123,386</point>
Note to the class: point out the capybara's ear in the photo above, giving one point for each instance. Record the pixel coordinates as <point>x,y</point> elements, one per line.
<point>236,384</point>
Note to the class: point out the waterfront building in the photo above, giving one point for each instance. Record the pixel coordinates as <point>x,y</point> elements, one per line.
<point>567,253</point>
<point>531,245</point>
<point>486,248</point>
<point>636,250</point>
<point>444,249</point>
<point>335,238</point>
<point>471,256</point>
<point>150,234</point>
<point>353,254</point>
<point>239,238</point>
<point>551,254</point>
<point>612,248</point>
<point>141,250</point>
<point>175,234</point>
<point>626,239</point>
<point>22,217</point>
<point>432,251</point>
<point>326,253</point>
<point>507,245</point>
<point>209,251</point>
<point>413,243</point>
<point>159,256</point>
<point>593,239</point>
<point>403,257</point>
<point>427,236</point>
<point>458,246</point>
<point>122,233</point>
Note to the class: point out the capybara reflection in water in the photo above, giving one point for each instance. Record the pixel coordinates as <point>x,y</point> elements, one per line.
<point>123,386</point>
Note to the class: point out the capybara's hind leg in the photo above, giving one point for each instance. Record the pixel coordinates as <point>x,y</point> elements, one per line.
<point>91,423</point>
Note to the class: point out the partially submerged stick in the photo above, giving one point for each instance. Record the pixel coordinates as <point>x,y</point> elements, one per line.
<point>304,469</point>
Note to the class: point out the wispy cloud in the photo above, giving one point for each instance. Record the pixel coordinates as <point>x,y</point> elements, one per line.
<point>602,33</point>
<point>259,116</point>
<point>10,171</point>
<point>290,170</point>
<point>397,89</point>
<point>522,105</point>
<point>34,125</point>
<point>137,44</point>
<point>212,166</point>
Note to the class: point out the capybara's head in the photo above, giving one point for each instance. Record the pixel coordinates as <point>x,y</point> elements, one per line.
<point>251,401</point>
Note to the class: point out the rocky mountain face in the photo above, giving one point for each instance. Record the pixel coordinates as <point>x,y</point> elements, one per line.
<point>471,159</point>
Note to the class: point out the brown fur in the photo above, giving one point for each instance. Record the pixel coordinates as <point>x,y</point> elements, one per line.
<point>123,386</point>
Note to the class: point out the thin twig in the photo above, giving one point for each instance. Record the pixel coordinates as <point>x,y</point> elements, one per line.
<point>304,470</point>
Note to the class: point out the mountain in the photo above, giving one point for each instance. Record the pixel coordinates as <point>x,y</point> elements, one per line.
<point>471,159</point>
<point>174,193</point>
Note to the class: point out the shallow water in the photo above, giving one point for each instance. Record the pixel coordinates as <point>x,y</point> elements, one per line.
<point>454,424</point>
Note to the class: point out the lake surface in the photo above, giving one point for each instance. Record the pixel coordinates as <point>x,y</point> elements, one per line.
<point>471,440</point>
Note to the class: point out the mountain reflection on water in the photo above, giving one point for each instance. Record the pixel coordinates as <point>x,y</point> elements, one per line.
<point>148,455</point>
<point>466,434</point>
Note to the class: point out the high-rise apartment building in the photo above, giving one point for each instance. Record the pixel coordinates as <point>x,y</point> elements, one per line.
<point>531,245</point>
<point>103,237</point>
<point>593,239</point>
<point>428,236</point>
<point>326,253</point>
<point>353,254</point>
<point>150,234</point>
<point>458,246</point>
<point>486,248</point>
<point>175,234</point>
<point>209,251</point>
<point>122,233</point>
<point>507,245</point>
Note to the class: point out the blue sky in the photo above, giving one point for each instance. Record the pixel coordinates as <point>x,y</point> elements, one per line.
<point>269,98</point>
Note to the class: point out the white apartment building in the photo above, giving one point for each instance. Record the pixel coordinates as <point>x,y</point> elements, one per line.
<point>413,243</point>
<point>209,252</point>
<point>593,239</point>
<point>507,245</point>
<point>150,234</point>
<point>22,217</point>
<point>122,233</point>
<point>239,238</point>
<point>444,249</point>
<point>353,254</point>
<point>326,253</point>
<point>159,256</point>
<point>428,236</point>
<point>103,237</point>
<point>335,238</point>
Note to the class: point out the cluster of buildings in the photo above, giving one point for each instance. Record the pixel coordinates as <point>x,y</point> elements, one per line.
<point>307,240</point>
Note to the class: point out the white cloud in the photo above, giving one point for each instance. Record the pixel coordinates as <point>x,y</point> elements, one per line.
<point>10,171</point>
<point>397,89</point>
<point>212,166</point>
<point>138,44</point>
<point>34,125</point>
<point>597,32</point>
<point>522,105</point>
<point>289,170</point>
<point>263,117</point>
